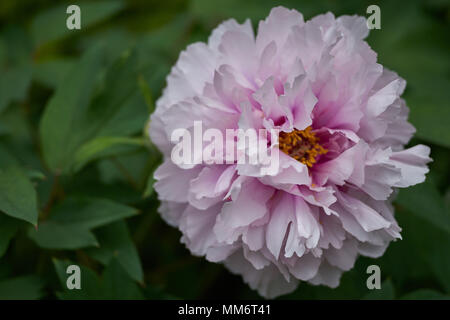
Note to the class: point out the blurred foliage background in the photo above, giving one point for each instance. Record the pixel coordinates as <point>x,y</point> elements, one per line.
<point>76,163</point>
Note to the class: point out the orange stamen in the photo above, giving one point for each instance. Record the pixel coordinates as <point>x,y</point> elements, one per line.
<point>302,145</point>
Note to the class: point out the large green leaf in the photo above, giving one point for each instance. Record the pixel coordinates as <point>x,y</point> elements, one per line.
<point>89,213</point>
<point>70,222</point>
<point>50,25</point>
<point>109,112</point>
<point>439,258</point>
<point>52,72</point>
<point>421,255</point>
<point>14,84</point>
<point>104,147</point>
<point>428,101</point>
<point>115,241</point>
<point>425,201</point>
<point>91,287</point>
<point>53,235</point>
<point>118,285</point>
<point>17,195</point>
<point>22,288</point>
<point>114,284</point>
<point>6,158</point>
<point>15,66</point>
<point>67,125</point>
<point>60,128</point>
<point>130,117</point>
<point>8,228</point>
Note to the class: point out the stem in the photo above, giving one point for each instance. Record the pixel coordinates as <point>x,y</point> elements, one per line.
<point>125,172</point>
<point>55,193</point>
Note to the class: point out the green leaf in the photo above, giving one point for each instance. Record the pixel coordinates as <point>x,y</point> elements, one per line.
<point>118,95</point>
<point>22,288</point>
<point>428,101</point>
<point>67,125</point>
<point>439,259</point>
<point>15,67</point>
<point>70,222</point>
<point>60,130</point>
<point>50,25</point>
<point>147,93</point>
<point>14,84</point>
<point>89,213</point>
<point>425,294</point>
<point>91,287</point>
<point>130,116</point>
<point>35,175</point>
<point>115,242</point>
<point>385,293</point>
<point>425,201</point>
<point>52,72</point>
<point>6,158</point>
<point>116,39</point>
<point>114,284</point>
<point>53,235</point>
<point>17,195</point>
<point>156,161</point>
<point>104,147</point>
<point>423,252</point>
<point>17,45</point>
<point>118,285</point>
<point>8,228</point>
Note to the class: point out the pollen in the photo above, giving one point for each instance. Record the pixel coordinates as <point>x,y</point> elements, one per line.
<point>302,145</point>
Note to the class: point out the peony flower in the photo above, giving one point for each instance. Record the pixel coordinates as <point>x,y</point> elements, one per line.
<point>343,127</point>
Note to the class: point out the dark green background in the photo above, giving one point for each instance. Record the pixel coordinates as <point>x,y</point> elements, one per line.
<point>74,154</point>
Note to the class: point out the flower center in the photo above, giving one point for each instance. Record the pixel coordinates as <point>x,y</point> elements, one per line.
<point>302,145</point>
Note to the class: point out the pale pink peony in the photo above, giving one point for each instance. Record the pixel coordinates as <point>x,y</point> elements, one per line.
<point>311,219</point>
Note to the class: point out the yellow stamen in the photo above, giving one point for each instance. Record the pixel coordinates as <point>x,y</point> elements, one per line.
<point>302,145</point>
